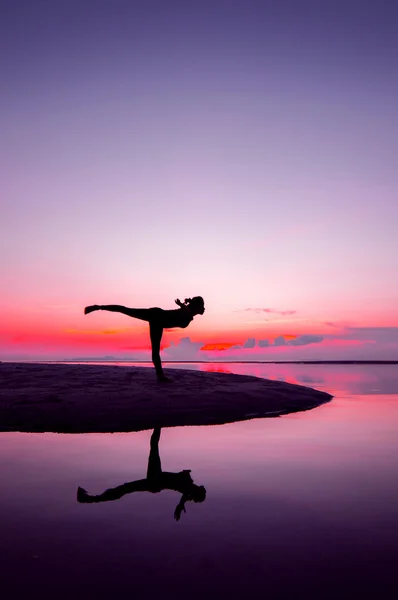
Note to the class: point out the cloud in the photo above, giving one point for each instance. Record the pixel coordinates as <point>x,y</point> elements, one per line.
<point>270,311</point>
<point>354,343</point>
<point>98,331</point>
<point>220,346</point>
<point>303,340</point>
<point>282,340</point>
<point>58,306</point>
<point>376,334</point>
<point>183,350</point>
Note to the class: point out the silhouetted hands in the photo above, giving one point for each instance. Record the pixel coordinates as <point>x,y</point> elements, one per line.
<point>179,508</point>
<point>182,304</point>
<point>82,495</point>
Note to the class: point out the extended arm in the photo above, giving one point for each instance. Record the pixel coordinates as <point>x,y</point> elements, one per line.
<point>181,506</point>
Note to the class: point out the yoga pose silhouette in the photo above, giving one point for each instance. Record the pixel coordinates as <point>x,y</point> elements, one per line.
<point>156,481</point>
<point>158,320</point>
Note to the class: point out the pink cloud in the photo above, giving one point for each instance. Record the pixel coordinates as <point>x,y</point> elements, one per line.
<point>270,311</point>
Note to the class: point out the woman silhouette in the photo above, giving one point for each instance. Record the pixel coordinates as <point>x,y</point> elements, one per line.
<point>158,320</point>
<point>156,481</point>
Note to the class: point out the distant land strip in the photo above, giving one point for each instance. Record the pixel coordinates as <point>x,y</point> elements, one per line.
<point>210,362</point>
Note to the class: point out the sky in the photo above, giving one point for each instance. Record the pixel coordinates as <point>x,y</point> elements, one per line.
<point>242,151</point>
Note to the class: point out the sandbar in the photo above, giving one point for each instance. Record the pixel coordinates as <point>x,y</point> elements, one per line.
<point>76,398</point>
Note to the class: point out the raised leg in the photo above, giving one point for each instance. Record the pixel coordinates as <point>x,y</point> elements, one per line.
<point>137,313</point>
<point>114,493</point>
<point>153,316</point>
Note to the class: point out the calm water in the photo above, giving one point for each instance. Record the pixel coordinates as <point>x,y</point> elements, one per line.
<point>301,506</point>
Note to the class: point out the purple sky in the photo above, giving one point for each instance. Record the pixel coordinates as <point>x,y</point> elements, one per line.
<point>245,151</point>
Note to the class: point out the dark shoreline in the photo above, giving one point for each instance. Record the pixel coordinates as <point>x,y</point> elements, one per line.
<point>69,398</point>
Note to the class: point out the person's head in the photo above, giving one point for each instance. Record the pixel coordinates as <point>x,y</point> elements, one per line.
<point>198,493</point>
<point>196,304</point>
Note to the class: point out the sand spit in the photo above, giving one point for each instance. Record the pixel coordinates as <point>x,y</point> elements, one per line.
<point>89,398</point>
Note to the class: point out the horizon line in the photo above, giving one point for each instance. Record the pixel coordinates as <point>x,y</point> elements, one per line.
<point>209,362</point>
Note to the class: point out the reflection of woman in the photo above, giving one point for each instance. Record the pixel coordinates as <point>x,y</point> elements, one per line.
<point>158,320</point>
<point>156,481</point>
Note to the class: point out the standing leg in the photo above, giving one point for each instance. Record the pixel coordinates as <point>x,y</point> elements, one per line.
<point>154,465</point>
<point>156,332</point>
<point>153,316</point>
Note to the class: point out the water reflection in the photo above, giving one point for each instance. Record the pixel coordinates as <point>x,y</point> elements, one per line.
<point>216,368</point>
<point>336,378</point>
<point>156,481</point>
<point>303,506</point>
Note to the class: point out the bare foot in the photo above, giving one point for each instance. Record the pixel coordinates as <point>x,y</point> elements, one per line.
<point>82,495</point>
<point>91,308</point>
<point>164,379</point>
